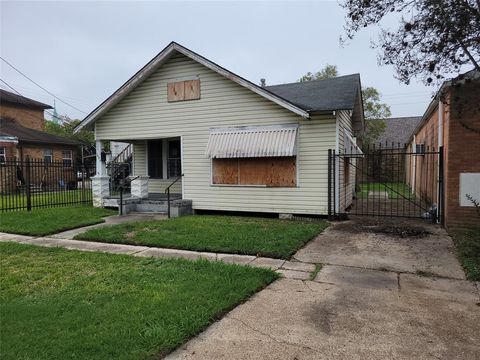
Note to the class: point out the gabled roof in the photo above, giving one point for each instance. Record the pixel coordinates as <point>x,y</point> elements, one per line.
<point>8,127</point>
<point>321,95</point>
<point>8,97</point>
<point>160,59</point>
<point>398,130</point>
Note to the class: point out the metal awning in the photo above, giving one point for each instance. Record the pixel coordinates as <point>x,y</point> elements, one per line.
<point>246,142</point>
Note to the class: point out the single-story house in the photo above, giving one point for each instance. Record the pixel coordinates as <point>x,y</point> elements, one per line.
<point>451,122</point>
<point>233,145</point>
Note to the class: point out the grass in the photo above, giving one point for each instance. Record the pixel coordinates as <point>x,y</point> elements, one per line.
<point>61,304</point>
<point>315,272</point>
<point>467,242</point>
<point>46,221</point>
<point>14,201</point>
<point>394,190</point>
<point>230,234</point>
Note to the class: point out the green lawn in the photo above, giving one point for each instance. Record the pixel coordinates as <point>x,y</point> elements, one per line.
<point>14,201</point>
<point>229,234</point>
<point>61,304</point>
<point>47,221</point>
<point>395,190</point>
<point>468,250</point>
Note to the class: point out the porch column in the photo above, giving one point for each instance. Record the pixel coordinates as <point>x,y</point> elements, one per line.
<point>139,186</point>
<point>101,166</point>
<point>100,189</point>
<point>101,181</point>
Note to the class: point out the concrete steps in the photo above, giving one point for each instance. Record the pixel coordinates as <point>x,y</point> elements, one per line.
<point>178,207</point>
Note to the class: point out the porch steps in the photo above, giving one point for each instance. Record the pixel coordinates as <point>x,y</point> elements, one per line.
<point>178,207</point>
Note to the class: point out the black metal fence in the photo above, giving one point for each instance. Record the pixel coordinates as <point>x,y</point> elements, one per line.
<point>390,181</point>
<point>33,183</point>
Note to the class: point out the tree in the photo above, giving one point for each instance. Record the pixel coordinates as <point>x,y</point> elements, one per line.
<point>434,38</point>
<point>329,71</point>
<point>374,111</point>
<point>373,108</point>
<point>65,129</point>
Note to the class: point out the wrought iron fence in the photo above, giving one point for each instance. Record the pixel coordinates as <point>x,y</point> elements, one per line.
<point>393,181</point>
<point>33,183</point>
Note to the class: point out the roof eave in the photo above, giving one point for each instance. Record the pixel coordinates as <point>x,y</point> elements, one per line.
<point>164,55</point>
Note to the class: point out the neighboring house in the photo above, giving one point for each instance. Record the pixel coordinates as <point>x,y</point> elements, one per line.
<point>239,146</point>
<point>393,144</point>
<point>398,131</point>
<point>451,121</point>
<point>22,135</point>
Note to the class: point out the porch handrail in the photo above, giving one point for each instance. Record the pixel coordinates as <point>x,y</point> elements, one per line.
<point>123,155</point>
<point>167,191</point>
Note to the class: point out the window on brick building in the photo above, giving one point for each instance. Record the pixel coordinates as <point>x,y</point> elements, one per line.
<point>3,155</point>
<point>67,158</point>
<point>48,155</point>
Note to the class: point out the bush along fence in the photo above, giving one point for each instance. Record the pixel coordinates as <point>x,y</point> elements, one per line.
<point>33,183</point>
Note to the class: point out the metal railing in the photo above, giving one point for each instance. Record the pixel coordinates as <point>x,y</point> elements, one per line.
<point>36,183</point>
<point>119,169</point>
<point>167,191</point>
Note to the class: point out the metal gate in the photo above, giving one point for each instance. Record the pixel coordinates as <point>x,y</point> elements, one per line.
<point>390,181</point>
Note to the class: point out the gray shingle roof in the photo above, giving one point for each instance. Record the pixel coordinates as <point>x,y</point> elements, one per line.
<point>398,130</point>
<point>321,95</point>
<point>8,127</point>
<point>8,97</point>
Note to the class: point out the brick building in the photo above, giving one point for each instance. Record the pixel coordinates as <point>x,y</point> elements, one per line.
<point>22,135</point>
<point>452,120</point>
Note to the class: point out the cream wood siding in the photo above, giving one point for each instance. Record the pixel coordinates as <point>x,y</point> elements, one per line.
<point>345,191</point>
<point>146,114</point>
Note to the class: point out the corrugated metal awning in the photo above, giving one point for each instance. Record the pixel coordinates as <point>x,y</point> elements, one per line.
<point>244,142</point>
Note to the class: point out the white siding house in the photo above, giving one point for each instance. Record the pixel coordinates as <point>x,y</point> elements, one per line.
<point>169,110</point>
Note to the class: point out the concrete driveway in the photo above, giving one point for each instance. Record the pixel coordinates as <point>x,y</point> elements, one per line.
<point>389,244</point>
<point>358,306</point>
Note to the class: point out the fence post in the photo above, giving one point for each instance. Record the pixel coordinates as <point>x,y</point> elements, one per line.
<point>27,184</point>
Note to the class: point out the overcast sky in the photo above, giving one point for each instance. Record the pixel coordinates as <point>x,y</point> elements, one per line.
<point>82,52</point>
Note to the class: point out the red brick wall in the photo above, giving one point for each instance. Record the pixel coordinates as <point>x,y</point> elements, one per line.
<point>463,153</point>
<point>30,118</point>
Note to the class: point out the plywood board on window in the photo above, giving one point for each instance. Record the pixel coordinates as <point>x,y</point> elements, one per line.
<point>176,91</point>
<point>225,171</point>
<point>282,171</point>
<point>192,89</point>
<point>253,171</point>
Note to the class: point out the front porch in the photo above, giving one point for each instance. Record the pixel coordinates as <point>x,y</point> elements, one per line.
<point>140,176</point>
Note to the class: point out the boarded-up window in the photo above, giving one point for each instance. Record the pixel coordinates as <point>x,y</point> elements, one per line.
<point>183,90</point>
<point>267,171</point>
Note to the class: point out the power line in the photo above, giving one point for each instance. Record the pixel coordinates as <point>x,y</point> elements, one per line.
<point>12,88</point>
<point>41,87</point>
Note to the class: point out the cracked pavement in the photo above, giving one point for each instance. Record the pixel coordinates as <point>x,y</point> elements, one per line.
<point>353,310</point>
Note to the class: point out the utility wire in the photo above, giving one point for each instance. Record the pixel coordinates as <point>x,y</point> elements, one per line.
<point>12,88</point>
<point>41,87</point>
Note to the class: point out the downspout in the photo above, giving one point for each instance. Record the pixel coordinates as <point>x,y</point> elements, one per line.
<point>414,175</point>
<point>440,144</point>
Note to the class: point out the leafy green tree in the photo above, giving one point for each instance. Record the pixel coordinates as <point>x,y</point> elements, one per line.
<point>434,38</point>
<point>329,71</point>
<point>66,128</point>
<point>373,107</point>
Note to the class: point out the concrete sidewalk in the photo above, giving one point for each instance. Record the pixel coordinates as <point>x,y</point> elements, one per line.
<point>348,313</point>
<point>289,269</point>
